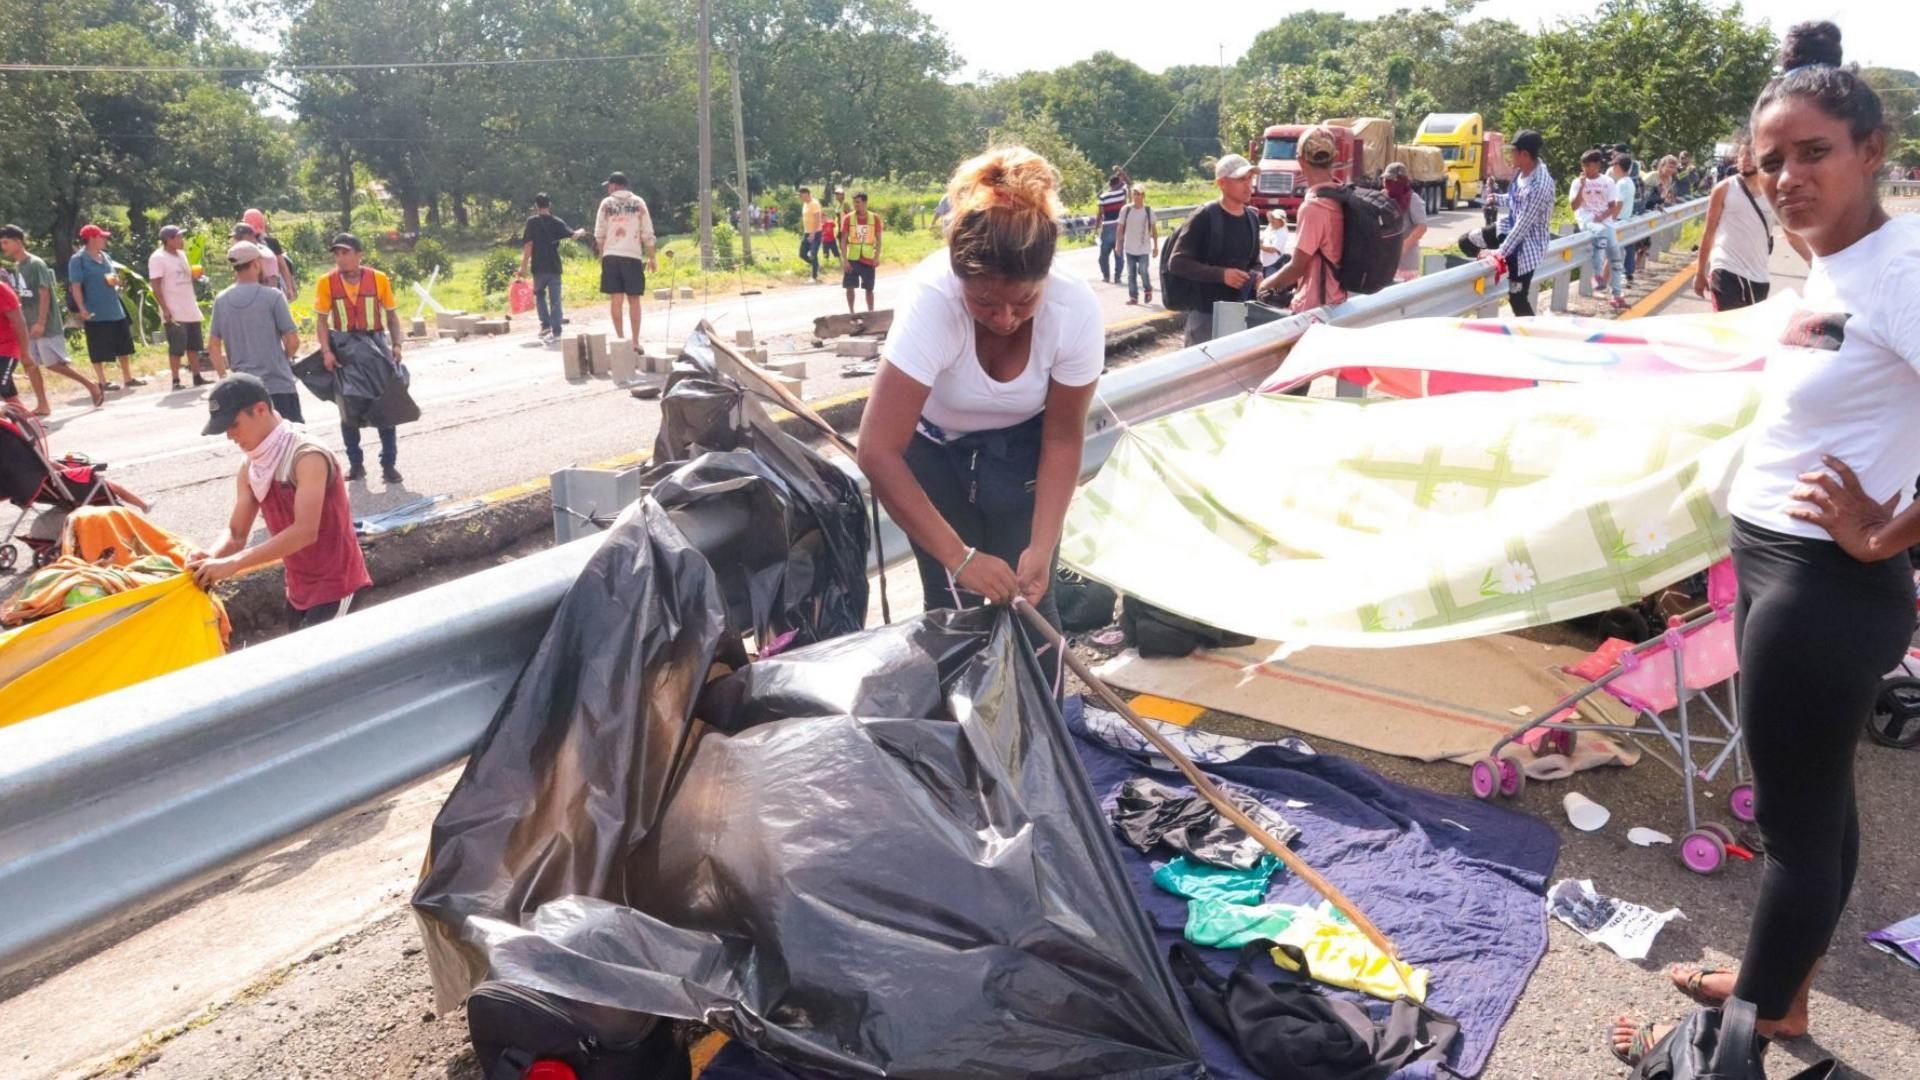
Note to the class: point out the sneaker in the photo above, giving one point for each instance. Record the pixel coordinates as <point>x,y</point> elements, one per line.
<point>1132,300</point>
<point>1149,298</point>
<point>201,380</point>
<point>390,474</point>
<point>1599,283</point>
<point>1618,303</point>
<point>356,472</point>
<point>177,384</point>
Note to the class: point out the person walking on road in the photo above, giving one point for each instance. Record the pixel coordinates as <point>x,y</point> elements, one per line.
<point>1738,239</point>
<point>42,308</point>
<point>1139,240</point>
<point>1529,214</point>
<point>94,283</point>
<point>1820,532</point>
<point>1219,250</point>
<point>810,228</point>
<point>860,230</point>
<point>623,232</point>
<point>540,241</point>
<point>254,333</point>
<point>1108,215</point>
<point>973,436</point>
<point>172,278</point>
<point>294,482</point>
<point>348,305</point>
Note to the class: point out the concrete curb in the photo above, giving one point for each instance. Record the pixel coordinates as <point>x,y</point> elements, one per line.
<point>256,601</point>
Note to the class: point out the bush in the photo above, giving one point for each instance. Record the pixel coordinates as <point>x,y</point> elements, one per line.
<point>724,236</point>
<point>497,269</point>
<point>307,238</point>
<point>430,255</point>
<point>401,266</point>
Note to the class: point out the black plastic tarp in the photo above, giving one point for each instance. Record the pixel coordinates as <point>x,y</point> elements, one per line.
<point>877,855</point>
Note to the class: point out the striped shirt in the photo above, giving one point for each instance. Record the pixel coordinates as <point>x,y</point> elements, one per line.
<point>1111,200</point>
<point>1529,212</point>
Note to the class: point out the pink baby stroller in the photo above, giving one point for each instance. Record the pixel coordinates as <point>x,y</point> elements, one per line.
<point>1667,674</point>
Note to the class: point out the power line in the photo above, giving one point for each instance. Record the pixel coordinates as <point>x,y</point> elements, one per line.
<point>188,69</point>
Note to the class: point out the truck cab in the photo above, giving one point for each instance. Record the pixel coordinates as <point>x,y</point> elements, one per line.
<point>1278,183</point>
<point>1476,159</point>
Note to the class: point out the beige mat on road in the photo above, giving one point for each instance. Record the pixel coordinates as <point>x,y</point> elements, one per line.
<point>1428,702</point>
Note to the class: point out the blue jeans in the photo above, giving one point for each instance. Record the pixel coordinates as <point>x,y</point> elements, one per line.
<point>1606,249</point>
<point>810,252</point>
<point>389,446</point>
<point>1106,254</point>
<point>1137,274</point>
<point>546,301</point>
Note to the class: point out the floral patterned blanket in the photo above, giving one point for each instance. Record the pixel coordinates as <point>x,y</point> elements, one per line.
<point>1401,522</point>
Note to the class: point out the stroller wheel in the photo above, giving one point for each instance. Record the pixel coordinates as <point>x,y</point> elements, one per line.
<point>1702,851</point>
<point>1724,834</point>
<point>8,556</point>
<point>1512,780</point>
<point>1896,713</point>
<point>1740,802</point>
<point>1485,777</point>
<point>1557,742</point>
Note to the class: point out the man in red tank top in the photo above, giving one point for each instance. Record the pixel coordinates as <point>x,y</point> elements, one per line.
<point>296,484</point>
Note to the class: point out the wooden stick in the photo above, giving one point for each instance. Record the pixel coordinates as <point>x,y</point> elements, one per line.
<point>1212,794</point>
<point>766,383</point>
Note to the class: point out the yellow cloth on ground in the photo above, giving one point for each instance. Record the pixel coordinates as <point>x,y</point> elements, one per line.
<point>1335,951</point>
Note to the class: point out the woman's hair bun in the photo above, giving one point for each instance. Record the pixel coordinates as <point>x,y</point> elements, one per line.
<point>1004,216</point>
<point>1810,43</point>
<point>1013,177</point>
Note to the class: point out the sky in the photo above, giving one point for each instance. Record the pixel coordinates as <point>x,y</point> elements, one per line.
<point>1003,37</point>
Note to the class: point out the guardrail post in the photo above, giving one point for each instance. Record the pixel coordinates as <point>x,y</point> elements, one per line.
<point>1585,282</point>
<point>1432,264</point>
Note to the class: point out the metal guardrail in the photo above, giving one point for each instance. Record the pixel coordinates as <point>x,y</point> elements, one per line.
<point>1903,189</point>
<point>115,803</point>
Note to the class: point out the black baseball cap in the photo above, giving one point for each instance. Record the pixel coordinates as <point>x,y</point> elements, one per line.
<point>1529,141</point>
<point>345,240</point>
<point>616,178</point>
<point>232,396</point>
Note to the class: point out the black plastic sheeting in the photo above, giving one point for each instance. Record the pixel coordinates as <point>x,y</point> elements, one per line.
<point>785,530</point>
<point>876,856</point>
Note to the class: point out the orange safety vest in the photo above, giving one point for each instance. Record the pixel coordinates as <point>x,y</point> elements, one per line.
<point>363,317</point>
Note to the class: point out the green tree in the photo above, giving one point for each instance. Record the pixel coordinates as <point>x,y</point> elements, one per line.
<point>1197,123</point>
<point>1296,94</point>
<point>1298,39</point>
<point>1660,75</point>
<point>1114,110</point>
<point>1899,92</point>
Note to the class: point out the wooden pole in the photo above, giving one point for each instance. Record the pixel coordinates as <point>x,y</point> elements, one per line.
<point>706,138</point>
<point>1212,794</point>
<point>740,165</point>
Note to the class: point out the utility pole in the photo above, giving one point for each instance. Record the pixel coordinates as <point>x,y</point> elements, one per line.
<point>740,162</point>
<point>706,140</point>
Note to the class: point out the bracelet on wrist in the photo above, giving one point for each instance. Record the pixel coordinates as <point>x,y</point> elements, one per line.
<point>964,560</point>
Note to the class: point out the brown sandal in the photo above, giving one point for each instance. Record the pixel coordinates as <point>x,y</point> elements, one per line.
<point>1690,984</point>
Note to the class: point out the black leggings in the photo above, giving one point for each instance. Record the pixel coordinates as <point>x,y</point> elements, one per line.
<point>983,485</point>
<point>1816,630</point>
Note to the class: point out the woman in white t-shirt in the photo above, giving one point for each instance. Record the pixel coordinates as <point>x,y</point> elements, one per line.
<point>1826,603</point>
<point>1738,239</point>
<point>972,436</point>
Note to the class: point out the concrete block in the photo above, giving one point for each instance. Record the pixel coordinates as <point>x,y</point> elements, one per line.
<point>686,292</point>
<point>493,326</point>
<point>444,320</point>
<point>743,338</point>
<point>417,328</point>
<point>758,356</point>
<point>793,386</point>
<point>856,348</point>
<point>572,356</point>
<point>448,335</point>
<point>795,368</point>
<point>467,325</point>
<point>595,359</point>
<point>656,363</point>
<point>623,361</point>
<point>663,294</point>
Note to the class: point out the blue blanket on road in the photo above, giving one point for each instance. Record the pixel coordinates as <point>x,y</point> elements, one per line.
<point>1468,904</point>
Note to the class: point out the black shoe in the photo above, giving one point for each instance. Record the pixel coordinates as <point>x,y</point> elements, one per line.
<point>200,380</point>
<point>390,474</point>
<point>356,472</point>
<point>177,384</point>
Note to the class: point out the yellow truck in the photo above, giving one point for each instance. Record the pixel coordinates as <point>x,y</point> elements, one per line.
<point>1476,159</point>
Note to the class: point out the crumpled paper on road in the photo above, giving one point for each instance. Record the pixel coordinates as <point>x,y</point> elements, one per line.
<point>1626,928</point>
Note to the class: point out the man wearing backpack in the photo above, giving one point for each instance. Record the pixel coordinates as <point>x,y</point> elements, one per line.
<point>1216,255</point>
<point>1318,247</point>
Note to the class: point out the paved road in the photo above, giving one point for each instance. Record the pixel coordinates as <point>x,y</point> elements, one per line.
<point>498,411</point>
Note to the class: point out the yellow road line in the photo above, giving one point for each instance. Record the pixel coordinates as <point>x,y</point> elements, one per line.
<point>1658,298</point>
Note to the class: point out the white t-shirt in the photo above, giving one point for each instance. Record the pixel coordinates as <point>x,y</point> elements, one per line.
<point>1590,197</point>
<point>1844,381</point>
<point>1740,243</point>
<point>1626,191</point>
<point>932,343</point>
<point>1277,238</point>
<point>172,277</point>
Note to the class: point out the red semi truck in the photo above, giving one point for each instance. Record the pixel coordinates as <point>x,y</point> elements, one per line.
<point>1364,148</point>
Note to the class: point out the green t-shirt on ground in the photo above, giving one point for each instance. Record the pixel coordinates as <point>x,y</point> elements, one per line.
<point>32,279</point>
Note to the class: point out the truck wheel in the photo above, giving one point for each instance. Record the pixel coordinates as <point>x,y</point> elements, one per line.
<point>1452,197</point>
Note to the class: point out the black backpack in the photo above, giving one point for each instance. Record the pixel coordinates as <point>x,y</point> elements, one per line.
<point>512,1028</point>
<point>1715,1044</point>
<point>1372,234</point>
<point>1183,293</point>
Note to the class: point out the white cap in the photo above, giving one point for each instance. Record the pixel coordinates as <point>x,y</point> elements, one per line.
<point>245,251</point>
<point>1231,167</point>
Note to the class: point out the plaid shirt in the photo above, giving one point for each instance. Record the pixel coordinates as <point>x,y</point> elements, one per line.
<point>1529,212</point>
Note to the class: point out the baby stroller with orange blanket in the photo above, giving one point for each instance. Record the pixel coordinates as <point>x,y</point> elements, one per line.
<point>30,478</point>
<point>1672,673</point>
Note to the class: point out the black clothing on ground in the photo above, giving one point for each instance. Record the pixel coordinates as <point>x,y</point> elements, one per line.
<point>1816,629</point>
<point>545,232</point>
<point>1212,243</point>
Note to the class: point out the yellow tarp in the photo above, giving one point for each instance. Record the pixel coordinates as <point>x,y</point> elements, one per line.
<point>104,645</point>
